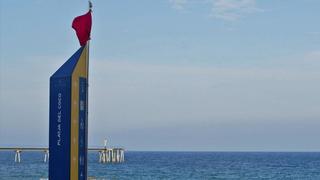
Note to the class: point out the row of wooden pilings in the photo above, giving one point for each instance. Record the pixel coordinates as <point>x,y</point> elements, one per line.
<point>106,155</point>
<point>17,156</point>
<point>115,155</point>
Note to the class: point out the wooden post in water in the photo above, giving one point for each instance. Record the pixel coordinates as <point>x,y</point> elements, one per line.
<point>17,157</point>
<point>46,156</point>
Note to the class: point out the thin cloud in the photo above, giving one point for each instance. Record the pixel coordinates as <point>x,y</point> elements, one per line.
<point>228,10</point>
<point>313,56</point>
<point>231,10</point>
<point>178,4</point>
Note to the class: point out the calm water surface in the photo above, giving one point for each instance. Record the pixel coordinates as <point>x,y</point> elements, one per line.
<point>178,165</point>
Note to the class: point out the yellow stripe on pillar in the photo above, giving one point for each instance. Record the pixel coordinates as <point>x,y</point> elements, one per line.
<point>79,71</point>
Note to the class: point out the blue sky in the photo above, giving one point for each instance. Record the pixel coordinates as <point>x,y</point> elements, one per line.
<point>204,75</point>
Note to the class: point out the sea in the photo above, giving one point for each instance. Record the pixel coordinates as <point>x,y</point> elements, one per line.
<point>178,165</point>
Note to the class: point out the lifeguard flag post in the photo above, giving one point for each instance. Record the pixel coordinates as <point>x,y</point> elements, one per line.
<point>68,111</point>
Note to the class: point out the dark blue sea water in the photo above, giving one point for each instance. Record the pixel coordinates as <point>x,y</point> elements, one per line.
<point>179,165</point>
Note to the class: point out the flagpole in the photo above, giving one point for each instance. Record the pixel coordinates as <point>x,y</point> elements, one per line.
<point>87,66</point>
<point>88,46</point>
<point>87,103</point>
<point>87,61</point>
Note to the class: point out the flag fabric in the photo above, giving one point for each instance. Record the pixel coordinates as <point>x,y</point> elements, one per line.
<point>82,25</point>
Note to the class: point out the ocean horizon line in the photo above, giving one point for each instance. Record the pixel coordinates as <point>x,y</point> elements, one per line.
<point>2,148</point>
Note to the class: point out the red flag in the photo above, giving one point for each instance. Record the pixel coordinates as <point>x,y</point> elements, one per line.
<point>82,26</point>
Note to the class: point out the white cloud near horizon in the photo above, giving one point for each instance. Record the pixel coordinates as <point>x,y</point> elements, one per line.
<point>228,10</point>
